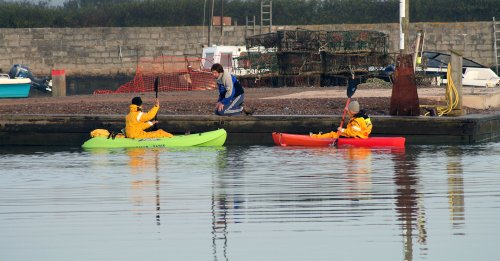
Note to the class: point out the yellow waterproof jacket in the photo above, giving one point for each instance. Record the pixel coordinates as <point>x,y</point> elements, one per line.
<point>360,126</point>
<point>137,121</point>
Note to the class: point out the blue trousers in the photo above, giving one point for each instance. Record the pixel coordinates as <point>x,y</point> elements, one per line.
<point>233,108</point>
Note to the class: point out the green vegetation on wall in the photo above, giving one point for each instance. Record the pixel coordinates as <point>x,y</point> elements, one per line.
<point>142,13</point>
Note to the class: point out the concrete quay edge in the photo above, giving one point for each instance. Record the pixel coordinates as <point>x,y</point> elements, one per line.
<point>73,130</point>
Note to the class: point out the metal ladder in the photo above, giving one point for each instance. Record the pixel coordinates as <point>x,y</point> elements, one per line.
<point>496,41</point>
<point>249,26</point>
<point>266,14</point>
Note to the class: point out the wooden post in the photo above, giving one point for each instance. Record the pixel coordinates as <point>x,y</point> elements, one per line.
<point>456,76</point>
<point>416,51</point>
<point>221,41</point>
<point>210,23</point>
<point>221,17</point>
<point>404,25</point>
<point>58,83</point>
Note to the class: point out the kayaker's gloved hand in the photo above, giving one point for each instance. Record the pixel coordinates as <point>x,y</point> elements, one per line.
<point>157,102</point>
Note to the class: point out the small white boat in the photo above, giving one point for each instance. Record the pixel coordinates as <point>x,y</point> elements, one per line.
<point>483,77</point>
<point>474,74</point>
<point>14,88</point>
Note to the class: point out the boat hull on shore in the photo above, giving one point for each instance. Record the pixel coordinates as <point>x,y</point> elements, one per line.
<point>14,88</point>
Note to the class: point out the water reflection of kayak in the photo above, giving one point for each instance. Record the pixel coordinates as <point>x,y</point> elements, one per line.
<point>286,139</point>
<point>210,138</point>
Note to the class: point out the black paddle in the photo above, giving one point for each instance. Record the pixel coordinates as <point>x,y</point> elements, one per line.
<point>351,89</point>
<point>156,85</point>
<point>156,91</point>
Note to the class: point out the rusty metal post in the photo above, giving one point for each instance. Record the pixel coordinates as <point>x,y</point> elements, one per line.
<point>404,98</point>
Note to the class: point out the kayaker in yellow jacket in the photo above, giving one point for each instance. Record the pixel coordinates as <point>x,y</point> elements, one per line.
<point>137,121</point>
<point>359,125</point>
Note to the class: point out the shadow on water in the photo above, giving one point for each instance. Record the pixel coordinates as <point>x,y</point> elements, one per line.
<point>356,183</point>
<point>223,202</point>
<point>409,197</point>
<point>143,163</point>
<point>146,161</point>
<point>455,180</point>
<point>29,150</point>
<point>238,196</point>
<point>410,211</point>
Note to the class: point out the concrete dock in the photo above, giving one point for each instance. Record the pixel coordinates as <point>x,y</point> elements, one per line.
<point>73,130</point>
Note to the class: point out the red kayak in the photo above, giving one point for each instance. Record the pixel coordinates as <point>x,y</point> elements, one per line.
<point>285,139</point>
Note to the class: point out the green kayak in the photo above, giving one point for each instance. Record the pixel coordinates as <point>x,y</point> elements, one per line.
<point>210,138</point>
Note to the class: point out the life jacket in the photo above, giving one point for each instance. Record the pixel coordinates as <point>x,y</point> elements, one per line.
<point>360,126</point>
<point>137,121</point>
<point>99,133</point>
<point>106,133</point>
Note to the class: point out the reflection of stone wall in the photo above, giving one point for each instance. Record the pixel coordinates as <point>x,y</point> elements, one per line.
<point>110,51</point>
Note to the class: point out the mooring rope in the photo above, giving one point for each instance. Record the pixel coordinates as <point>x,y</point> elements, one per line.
<point>451,96</point>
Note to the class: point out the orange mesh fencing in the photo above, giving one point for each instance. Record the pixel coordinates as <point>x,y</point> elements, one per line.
<point>175,73</point>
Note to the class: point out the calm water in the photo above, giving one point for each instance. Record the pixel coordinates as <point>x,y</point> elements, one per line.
<point>251,203</point>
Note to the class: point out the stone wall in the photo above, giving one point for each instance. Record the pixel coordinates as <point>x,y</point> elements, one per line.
<point>111,51</point>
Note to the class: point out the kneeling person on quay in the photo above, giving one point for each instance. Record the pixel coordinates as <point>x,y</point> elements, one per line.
<point>231,93</point>
<point>137,121</point>
<point>359,125</point>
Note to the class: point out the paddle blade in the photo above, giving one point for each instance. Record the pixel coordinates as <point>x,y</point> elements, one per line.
<point>352,85</point>
<point>156,86</point>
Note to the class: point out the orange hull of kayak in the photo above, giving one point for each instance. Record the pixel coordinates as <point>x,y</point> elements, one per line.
<point>285,139</point>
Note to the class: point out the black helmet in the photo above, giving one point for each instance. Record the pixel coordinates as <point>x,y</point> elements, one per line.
<point>137,101</point>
